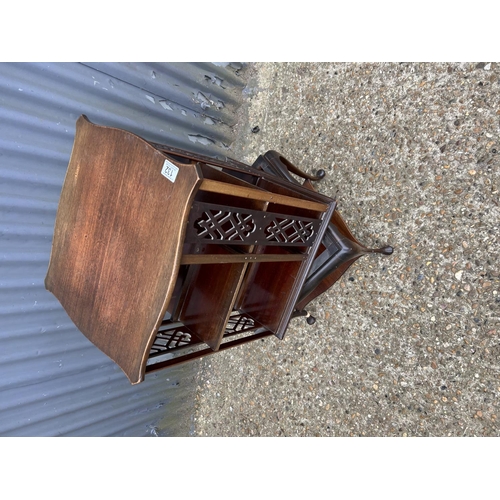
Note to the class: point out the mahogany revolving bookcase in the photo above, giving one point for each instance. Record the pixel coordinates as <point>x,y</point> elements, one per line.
<point>161,256</point>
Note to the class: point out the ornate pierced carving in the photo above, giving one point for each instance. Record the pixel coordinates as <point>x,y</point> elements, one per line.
<point>225,226</point>
<point>239,323</point>
<point>170,339</point>
<point>210,223</point>
<point>176,336</point>
<point>289,230</point>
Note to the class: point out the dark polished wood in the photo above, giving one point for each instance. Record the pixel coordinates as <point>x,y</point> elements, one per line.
<point>209,299</point>
<point>339,248</point>
<point>117,241</point>
<point>256,194</point>
<point>157,250</point>
<point>206,352</point>
<point>239,258</point>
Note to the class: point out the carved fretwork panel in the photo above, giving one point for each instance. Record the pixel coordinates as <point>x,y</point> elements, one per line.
<point>171,339</point>
<point>239,323</point>
<point>176,335</point>
<point>211,223</point>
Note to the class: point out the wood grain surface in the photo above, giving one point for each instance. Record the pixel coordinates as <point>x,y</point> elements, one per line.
<point>117,241</point>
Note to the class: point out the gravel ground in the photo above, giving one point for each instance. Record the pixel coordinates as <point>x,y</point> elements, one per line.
<point>405,345</point>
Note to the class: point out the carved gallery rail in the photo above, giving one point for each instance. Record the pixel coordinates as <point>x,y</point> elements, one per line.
<point>161,256</point>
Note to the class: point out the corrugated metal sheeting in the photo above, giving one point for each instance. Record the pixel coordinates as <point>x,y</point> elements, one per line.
<point>53,381</point>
